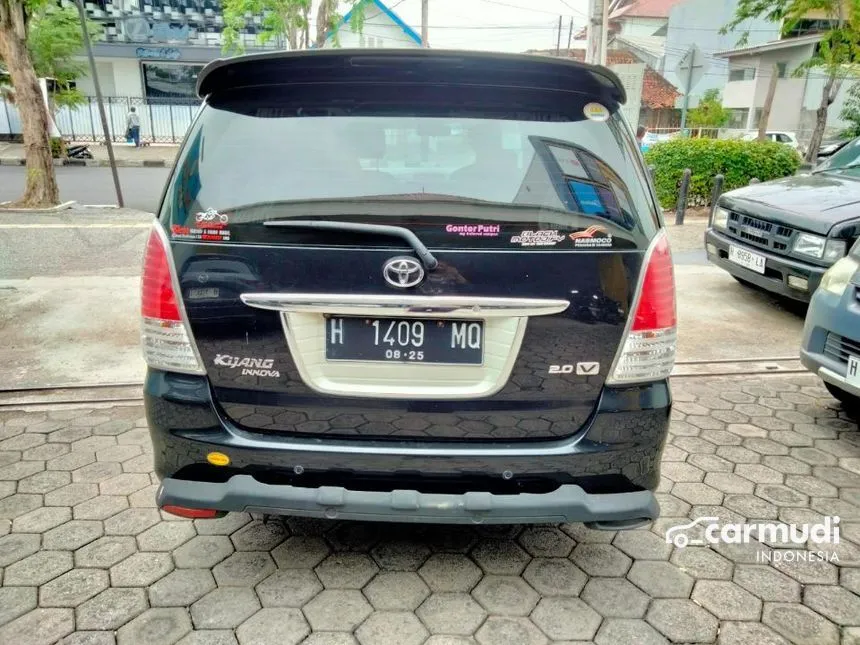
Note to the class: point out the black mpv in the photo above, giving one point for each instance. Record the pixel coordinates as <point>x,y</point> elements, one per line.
<point>415,286</point>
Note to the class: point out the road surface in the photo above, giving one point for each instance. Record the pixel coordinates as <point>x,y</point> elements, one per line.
<point>141,187</point>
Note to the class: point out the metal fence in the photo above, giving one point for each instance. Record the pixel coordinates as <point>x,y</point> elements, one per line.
<point>161,120</point>
<point>804,135</point>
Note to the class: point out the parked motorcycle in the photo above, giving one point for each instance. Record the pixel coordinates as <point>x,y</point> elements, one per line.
<point>79,152</point>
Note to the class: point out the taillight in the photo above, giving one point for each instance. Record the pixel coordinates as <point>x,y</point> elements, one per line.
<point>165,338</point>
<point>648,350</point>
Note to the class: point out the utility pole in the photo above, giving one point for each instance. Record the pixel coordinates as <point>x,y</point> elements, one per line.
<point>768,103</point>
<point>100,101</point>
<point>425,10</point>
<point>604,32</point>
<point>597,9</point>
<point>692,60</point>
<point>558,42</point>
<point>570,33</point>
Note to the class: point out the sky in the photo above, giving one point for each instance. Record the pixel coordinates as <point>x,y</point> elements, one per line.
<point>499,25</point>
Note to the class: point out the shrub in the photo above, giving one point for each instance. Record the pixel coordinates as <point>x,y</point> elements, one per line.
<point>58,148</point>
<point>738,161</point>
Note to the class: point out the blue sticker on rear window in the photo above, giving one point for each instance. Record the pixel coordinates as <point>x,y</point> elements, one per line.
<point>587,197</point>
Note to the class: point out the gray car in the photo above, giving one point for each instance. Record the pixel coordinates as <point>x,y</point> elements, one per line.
<point>783,235</point>
<point>831,335</point>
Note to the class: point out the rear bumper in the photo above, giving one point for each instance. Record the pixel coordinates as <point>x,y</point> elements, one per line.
<point>567,503</point>
<point>605,472</point>
<point>778,268</point>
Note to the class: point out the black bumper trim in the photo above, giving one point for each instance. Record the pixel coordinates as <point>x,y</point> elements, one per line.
<point>567,503</point>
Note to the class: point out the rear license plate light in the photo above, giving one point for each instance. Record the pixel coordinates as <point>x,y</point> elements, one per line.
<point>405,340</point>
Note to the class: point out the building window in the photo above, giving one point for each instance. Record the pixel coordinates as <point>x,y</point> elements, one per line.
<point>781,70</point>
<point>738,118</point>
<point>170,80</point>
<point>807,26</point>
<point>742,74</point>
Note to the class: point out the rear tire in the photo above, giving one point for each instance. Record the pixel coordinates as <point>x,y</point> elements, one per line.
<point>850,402</point>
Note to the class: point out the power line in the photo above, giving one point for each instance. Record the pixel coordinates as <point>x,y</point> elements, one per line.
<point>573,9</point>
<point>552,27</point>
<point>516,6</point>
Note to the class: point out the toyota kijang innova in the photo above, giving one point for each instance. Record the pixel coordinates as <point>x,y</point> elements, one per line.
<point>416,286</point>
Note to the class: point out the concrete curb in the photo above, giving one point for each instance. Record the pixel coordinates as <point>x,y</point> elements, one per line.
<point>94,163</point>
<point>53,209</point>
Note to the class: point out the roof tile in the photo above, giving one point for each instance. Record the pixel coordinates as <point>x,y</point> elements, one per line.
<point>657,92</point>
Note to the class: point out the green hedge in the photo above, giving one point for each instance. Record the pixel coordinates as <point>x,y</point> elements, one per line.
<point>738,161</point>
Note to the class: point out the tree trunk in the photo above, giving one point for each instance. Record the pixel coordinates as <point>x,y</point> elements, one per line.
<point>41,185</point>
<point>828,95</point>
<point>768,103</point>
<point>324,13</point>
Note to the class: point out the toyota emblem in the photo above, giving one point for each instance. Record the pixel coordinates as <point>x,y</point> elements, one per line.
<point>403,272</point>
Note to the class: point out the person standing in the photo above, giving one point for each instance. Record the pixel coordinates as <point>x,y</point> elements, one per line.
<point>132,126</point>
<point>641,131</point>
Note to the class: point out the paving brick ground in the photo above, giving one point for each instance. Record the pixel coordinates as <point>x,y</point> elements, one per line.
<point>85,558</point>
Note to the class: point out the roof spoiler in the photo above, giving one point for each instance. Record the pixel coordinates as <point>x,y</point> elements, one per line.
<point>431,66</point>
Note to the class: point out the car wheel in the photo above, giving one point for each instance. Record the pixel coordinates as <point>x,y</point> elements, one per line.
<point>848,400</point>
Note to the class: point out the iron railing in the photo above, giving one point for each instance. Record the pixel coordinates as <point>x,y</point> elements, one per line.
<point>162,120</point>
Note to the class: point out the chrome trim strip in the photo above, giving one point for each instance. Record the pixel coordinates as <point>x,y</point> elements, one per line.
<point>405,305</point>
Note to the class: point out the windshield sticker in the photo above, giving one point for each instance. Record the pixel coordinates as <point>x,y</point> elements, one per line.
<point>588,198</point>
<point>568,161</point>
<point>211,218</point>
<point>210,226</point>
<point>250,366</point>
<point>594,237</point>
<point>595,112</point>
<point>538,238</point>
<point>474,230</point>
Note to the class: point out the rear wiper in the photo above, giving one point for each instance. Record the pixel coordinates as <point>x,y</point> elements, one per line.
<point>405,234</point>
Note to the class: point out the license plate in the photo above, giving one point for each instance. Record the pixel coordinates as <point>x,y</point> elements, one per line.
<point>853,373</point>
<point>404,340</point>
<point>748,259</point>
<point>203,293</point>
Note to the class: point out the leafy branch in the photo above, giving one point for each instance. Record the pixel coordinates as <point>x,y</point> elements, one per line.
<point>284,19</point>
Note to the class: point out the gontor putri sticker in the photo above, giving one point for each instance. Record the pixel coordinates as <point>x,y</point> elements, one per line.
<point>595,112</point>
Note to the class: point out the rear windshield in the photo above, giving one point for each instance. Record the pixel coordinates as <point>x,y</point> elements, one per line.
<point>461,177</point>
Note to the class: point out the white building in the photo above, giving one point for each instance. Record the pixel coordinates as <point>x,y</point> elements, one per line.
<point>381,27</point>
<point>698,22</point>
<point>154,49</point>
<point>640,18</point>
<point>797,97</point>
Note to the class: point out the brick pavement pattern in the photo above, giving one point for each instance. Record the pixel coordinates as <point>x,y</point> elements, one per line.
<point>85,558</point>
